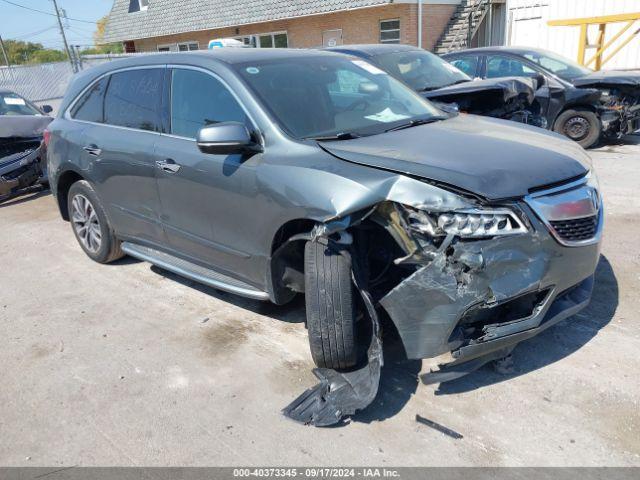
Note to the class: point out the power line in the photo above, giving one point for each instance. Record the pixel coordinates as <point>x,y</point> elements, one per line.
<point>45,13</point>
<point>31,34</point>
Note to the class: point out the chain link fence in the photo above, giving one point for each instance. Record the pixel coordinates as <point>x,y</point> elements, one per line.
<point>47,82</point>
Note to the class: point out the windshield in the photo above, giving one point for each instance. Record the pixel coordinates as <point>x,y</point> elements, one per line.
<point>558,65</point>
<point>12,104</point>
<point>421,70</point>
<point>324,96</point>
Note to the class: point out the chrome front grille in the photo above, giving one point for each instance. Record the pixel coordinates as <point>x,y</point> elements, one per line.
<point>571,212</point>
<point>577,229</point>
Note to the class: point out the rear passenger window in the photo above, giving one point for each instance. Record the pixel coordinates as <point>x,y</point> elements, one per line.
<point>133,99</point>
<point>89,106</point>
<point>468,65</point>
<point>198,99</point>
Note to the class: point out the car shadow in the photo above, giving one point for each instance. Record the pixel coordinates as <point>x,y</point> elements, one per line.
<point>608,143</point>
<point>553,344</point>
<point>25,195</point>
<point>292,312</point>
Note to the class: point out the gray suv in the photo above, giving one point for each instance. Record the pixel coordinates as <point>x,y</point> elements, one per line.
<point>268,173</point>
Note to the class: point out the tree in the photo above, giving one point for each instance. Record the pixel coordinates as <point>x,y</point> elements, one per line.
<point>20,52</point>
<point>98,40</point>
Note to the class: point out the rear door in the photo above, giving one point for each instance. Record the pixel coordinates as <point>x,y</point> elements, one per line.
<point>120,147</point>
<point>207,200</point>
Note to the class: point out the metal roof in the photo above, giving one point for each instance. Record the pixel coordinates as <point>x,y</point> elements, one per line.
<point>168,17</point>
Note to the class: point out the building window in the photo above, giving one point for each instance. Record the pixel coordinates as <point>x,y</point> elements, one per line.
<point>188,46</point>
<point>390,31</point>
<point>331,38</point>
<point>138,5</point>
<point>266,40</point>
<point>179,47</point>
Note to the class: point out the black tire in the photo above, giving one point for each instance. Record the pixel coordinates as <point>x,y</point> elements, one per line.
<point>108,248</point>
<point>580,125</point>
<point>331,307</point>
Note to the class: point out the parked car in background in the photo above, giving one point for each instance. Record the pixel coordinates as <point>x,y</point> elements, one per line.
<point>21,128</point>
<point>269,173</point>
<point>582,104</point>
<point>439,81</point>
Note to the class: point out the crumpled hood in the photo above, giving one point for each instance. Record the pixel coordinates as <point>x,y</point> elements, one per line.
<point>630,78</point>
<point>23,125</point>
<point>492,158</point>
<point>506,87</point>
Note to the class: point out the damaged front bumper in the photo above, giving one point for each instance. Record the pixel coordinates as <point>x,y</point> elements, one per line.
<point>20,171</point>
<point>478,298</point>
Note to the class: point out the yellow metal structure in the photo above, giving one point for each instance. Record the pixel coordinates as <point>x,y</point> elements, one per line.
<point>597,59</point>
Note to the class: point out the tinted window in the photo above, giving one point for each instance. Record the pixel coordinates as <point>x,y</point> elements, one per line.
<point>133,99</point>
<point>198,99</point>
<point>499,66</point>
<point>468,65</point>
<point>89,106</point>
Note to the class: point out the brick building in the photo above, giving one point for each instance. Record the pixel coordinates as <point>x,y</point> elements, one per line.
<point>162,25</point>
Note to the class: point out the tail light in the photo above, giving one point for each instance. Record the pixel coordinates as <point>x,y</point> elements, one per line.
<point>46,136</point>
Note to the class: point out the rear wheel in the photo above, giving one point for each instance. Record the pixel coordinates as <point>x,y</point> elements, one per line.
<point>331,307</point>
<point>90,224</point>
<point>582,126</point>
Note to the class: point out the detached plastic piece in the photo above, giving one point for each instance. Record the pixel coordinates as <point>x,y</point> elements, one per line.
<point>340,394</point>
<point>337,394</point>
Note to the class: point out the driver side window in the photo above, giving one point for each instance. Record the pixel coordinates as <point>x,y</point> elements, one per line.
<point>503,66</point>
<point>199,99</point>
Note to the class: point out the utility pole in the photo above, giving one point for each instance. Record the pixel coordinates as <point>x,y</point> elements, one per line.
<point>4,53</point>
<point>64,38</point>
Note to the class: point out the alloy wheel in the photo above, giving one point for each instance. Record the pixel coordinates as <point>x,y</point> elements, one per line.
<point>86,223</point>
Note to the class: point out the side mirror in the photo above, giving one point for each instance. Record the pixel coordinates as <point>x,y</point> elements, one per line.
<point>226,138</point>
<point>541,80</point>
<point>46,108</point>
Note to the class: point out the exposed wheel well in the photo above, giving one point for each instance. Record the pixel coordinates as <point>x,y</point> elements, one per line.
<point>65,181</point>
<point>587,107</point>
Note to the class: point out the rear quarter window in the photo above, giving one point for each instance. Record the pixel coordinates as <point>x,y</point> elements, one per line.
<point>133,99</point>
<point>89,105</point>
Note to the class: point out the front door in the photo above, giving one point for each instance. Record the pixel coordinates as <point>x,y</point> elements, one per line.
<point>206,199</point>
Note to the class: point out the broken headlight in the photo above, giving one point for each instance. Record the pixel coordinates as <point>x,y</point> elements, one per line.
<point>472,223</point>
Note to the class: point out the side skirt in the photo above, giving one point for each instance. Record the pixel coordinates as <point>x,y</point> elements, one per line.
<point>193,271</point>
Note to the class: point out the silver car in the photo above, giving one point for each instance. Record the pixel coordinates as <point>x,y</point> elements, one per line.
<point>269,173</point>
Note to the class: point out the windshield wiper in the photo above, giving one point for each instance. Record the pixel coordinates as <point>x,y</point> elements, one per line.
<point>416,122</point>
<point>337,136</point>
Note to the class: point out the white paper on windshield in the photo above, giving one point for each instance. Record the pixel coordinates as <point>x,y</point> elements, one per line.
<point>368,67</point>
<point>386,116</point>
<point>14,101</point>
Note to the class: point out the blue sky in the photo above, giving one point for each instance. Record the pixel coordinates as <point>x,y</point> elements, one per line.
<point>21,24</point>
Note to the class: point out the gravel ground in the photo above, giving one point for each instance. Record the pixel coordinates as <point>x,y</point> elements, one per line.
<point>129,365</point>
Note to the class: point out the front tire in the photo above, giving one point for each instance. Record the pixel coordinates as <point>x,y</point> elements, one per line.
<point>90,224</point>
<point>581,126</point>
<point>331,307</point>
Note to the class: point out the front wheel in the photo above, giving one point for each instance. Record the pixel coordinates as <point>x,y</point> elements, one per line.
<point>331,307</point>
<point>582,126</point>
<point>90,224</point>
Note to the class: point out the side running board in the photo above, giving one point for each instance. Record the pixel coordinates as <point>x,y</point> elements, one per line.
<point>193,271</point>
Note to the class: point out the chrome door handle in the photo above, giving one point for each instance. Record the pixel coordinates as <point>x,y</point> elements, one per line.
<point>92,150</point>
<point>168,165</point>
